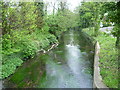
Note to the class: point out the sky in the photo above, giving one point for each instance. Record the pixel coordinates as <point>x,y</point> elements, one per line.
<point>72,4</point>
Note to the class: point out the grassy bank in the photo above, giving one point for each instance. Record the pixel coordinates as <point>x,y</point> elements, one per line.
<point>108,58</point>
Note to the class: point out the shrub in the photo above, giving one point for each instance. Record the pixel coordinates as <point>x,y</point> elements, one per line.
<point>19,45</point>
<point>9,65</point>
<point>52,39</point>
<point>28,48</point>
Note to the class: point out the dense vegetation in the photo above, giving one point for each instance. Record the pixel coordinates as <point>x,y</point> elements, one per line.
<point>107,14</point>
<point>108,58</point>
<point>22,34</point>
<point>27,28</point>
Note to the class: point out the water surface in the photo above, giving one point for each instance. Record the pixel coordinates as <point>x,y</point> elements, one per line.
<point>69,65</point>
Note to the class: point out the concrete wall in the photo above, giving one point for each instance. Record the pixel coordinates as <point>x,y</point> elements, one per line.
<point>97,83</point>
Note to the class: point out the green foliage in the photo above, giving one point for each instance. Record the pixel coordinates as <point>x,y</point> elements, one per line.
<point>55,28</point>
<point>44,37</point>
<point>106,24</point>
<point>28,48</point>
<point>108,59</point>
<point>6,43</point>
<point>90,15</point>
<point>113,10</point>
<point>52,39</point>
<point>61,21</point>
<point>24,34</point>
<point>86,14</point>
<point>28,18</point>
<point>115,31</point>
<point>67,19</point>
<point>19,42</point>
<point>39,13</point>
<point>9,65</point>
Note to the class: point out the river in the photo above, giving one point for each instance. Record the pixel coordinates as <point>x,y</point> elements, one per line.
<point>69,65</point>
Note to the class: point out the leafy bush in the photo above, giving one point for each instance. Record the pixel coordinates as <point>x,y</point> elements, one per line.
<point>21,45</point>
<point>22,36</point>
<point>52,39</point>
<point>28,48</point>
<point>7,45</point>
<point>9,65</point>
<point>44,38</point>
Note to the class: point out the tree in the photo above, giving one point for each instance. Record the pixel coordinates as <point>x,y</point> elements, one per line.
<point>97,18</point>
<point>5,25</point>
<point>28,16</point>
<point>89,15</point>
<point>113,10</point>
<point>0,18</point>
<point>40,14</point>
<point>85,14</point>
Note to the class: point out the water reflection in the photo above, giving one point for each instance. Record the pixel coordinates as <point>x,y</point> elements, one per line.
<point>67,66</point>
<point>74,73</point>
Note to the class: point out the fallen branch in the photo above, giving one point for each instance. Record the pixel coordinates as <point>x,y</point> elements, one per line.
<point>45,51</point>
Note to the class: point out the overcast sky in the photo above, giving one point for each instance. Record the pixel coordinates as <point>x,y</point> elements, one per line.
<point>72,4</point>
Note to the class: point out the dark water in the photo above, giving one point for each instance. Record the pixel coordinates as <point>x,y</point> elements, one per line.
<point>67,66</point>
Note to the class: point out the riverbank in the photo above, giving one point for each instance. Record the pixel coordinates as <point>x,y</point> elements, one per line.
<point>108,58</point>
<point>16,50</point>
<point>66,66</point>
<point>30,72</point>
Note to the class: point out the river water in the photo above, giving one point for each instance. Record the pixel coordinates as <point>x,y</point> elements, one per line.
<point>69,65</point>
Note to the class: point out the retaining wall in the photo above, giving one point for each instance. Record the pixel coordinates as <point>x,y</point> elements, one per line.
<point>97,82</point>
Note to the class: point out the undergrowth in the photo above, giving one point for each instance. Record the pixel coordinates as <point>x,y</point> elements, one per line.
<point>20,45</point>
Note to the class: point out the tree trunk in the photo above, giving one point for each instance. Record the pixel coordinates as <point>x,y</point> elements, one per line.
<point>4,18</point>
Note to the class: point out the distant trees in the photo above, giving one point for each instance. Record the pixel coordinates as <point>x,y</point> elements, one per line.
<point>18,17</point>
<point>118,25</point>
<point>85,14</point>
<point>113,10</point>
<point>40,14</point>
<point>62,19</point>
<point>28,16</point>
<point>92,13</point>
<point>22,16</point>
<point>5,25</point>
<point>89,15</point>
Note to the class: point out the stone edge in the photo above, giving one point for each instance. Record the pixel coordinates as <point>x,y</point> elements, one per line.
<point>97,80</point>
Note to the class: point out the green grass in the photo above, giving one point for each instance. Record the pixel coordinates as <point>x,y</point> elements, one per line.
<point>108,59</point>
